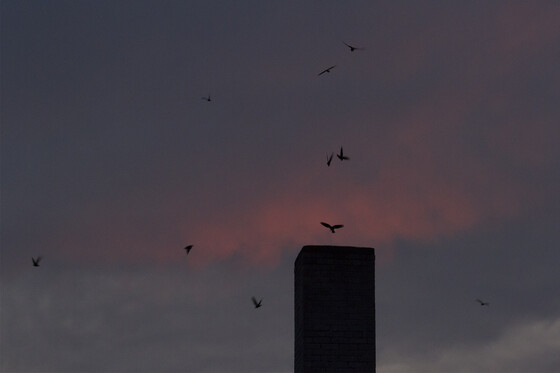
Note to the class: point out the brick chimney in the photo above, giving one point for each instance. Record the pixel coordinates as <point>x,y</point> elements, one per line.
<point>335,309</point>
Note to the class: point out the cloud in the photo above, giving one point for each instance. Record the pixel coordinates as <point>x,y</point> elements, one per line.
<point>425,183</point>
<point>527,347</point>
<point>445,146</point>
<point>100,321</point>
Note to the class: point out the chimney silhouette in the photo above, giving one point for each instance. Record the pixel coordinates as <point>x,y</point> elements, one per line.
<point>335,309</point>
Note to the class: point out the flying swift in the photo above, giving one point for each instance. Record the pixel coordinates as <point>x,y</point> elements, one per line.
<point>329,159</point>
<point>353,48</point>
<point>332,227</point>
<point>328,70</point>
<point>341,155</point>
<point>482,303</point>
<point>257,304</point>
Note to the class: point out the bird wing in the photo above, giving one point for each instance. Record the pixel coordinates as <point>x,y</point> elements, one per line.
<point>353,47</point>
<point>337,226</point>
<point>327,70</point>
<point>326,225</point>
<point>254,301</point>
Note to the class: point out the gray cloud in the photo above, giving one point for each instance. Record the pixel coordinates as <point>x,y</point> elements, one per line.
<point>111,163</point>
<point>530,346</point>
<point>146,320</point>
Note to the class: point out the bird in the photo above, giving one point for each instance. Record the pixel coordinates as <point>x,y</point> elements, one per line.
<point>332,227</point>
<point>327,70</point>
<point>36,261</point>
<point>482,303</point>
<point>341,156</point>
<point>257,304</point>
<point>207,98</point>
<point>188,248</point>
<point>353,48</point>
<point>329,159</point>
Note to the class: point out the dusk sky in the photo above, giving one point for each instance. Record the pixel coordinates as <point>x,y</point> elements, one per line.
<point>112,162</point>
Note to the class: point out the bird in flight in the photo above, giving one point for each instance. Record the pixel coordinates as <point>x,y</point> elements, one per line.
<point>353,48</point>
<point>329,159</point>
<point>257,304</point>
<point>341,156</point>
<point>482,303</point>
<point>327,70</point>
<point>188,248</point>
<point>36,261</point>
<point>207,98</point>
<point>332,227</point>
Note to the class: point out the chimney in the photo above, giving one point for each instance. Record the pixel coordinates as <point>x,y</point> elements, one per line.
<point>335,309</point>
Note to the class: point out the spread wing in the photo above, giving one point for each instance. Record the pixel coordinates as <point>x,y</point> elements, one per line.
<point>326,225</point>
<point>337,226</point>
<point>327,70</point>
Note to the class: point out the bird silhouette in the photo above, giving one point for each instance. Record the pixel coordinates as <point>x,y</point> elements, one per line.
<point>341,155</point>
<point>332,227</point>
<point>36,261</point>
<point>329,159</point>
<point>257,304</point>
<point>353,48</point>
<point>482,303</point>
<point>328,70</point>
<point>207,98</point>
<point>188,248</point>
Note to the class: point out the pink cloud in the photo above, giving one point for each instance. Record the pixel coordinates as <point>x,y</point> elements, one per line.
<point>417,195</point>
<point>522,26</point>
<point>426,182</point>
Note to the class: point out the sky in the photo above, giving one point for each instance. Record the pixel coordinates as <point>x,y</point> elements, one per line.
<point>112,162</point>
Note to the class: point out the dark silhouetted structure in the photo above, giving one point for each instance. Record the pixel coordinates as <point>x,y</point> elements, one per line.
<point>335,309</point>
